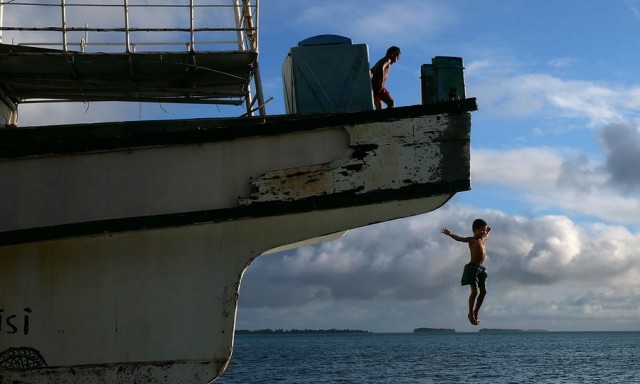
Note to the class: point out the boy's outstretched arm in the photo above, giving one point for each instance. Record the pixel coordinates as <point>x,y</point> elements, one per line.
<point>447,232</point>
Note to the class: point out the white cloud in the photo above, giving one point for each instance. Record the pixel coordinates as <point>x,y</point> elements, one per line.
<point>380,23</point>
<point>33,114</point>
<point>508,89</point>
<point>548,178</point>
<point>404,274</point>
<point>37,114</point>
<point>525,168</point>
<point>561,62</point>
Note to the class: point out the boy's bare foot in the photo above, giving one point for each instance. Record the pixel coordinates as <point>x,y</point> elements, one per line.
<point>472,319</point>
<point>475,317</point>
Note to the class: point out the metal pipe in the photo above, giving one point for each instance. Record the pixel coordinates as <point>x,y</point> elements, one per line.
<point>257,26</point>
<point>192,47</point>
<point>1,19</point>
<point>82,29</point>
<point>239,20</point>
<point>253,40</point>
<point>64,26</point>
<point>126,26</point>
<point>85,40</point>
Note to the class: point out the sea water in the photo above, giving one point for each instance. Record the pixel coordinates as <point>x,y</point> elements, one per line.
<point>531,357</point>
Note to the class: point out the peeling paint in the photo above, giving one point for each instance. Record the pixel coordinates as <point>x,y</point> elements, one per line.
<point>385,156</point>
<point>229,302</point>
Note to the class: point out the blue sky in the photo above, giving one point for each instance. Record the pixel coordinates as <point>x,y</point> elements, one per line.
<point>555,151</point>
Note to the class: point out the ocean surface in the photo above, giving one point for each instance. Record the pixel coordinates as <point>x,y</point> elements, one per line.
<point>544,357</point>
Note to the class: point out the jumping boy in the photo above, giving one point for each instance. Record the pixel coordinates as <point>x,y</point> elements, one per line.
<point>474,274</point>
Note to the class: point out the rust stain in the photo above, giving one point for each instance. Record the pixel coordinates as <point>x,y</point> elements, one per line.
<point>229,301</point>
<point>162,372</point>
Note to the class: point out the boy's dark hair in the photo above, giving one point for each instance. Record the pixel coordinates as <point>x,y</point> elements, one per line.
<point>478,223</point>
<point>393,50</point>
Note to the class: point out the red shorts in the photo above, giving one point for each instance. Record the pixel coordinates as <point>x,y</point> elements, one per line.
<point>383,95</point>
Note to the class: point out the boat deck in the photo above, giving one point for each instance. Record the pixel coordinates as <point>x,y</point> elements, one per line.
<point>76,138</point>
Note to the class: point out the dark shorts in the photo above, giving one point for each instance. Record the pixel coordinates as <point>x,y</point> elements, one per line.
<point>474,274</point>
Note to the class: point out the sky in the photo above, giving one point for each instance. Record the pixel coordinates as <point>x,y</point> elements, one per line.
<point>555,148</point>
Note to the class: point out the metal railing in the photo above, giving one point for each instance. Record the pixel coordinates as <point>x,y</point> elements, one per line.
<point>136,27</point>
<point>131,24</point>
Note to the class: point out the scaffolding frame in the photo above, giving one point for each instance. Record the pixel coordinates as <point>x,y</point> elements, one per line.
<point>205,75</point>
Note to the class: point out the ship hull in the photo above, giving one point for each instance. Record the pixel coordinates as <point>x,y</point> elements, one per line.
<point>121,257</point>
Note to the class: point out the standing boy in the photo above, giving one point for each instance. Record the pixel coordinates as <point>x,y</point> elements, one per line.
<point>379,74</point>
<point>475,274</point>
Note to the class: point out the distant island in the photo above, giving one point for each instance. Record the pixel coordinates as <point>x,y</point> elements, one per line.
<point>296,331</point>
<point>434,330</point>
<point>508,330</point>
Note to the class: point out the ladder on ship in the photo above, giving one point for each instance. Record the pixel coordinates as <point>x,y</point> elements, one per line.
<point>169,51</point>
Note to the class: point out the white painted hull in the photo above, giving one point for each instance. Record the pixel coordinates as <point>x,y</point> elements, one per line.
<point>124,265</point>
<point>149,298</point>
